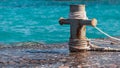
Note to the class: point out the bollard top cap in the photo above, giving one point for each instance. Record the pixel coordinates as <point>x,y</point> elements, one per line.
<point>77,8</point>
<point>82,5</point>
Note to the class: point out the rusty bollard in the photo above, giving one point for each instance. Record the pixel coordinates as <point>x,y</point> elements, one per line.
<point>78,21</point>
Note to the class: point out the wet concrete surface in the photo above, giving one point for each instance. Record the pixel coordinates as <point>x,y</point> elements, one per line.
<point>37,55</point>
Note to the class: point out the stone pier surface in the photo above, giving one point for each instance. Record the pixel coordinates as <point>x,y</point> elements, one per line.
<point>37,55</point>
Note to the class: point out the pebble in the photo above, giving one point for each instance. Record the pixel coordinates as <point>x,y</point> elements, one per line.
<point>85,66</point>
<point>63,60</point>
<point>64,67</point>
<point>79,66</point>
<point>11,62</point>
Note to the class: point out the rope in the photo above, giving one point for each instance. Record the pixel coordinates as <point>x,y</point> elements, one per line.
<point>107,34</point>
<point>78,15</point>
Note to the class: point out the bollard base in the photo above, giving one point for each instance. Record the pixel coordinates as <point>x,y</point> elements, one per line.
<point>99,49</point>
<point>78,49</point>
<point>83,48</point>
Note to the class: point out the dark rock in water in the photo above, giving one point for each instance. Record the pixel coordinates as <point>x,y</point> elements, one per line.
<point>112,43</point>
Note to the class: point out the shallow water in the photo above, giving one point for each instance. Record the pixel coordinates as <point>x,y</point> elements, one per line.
<point>35,20</point>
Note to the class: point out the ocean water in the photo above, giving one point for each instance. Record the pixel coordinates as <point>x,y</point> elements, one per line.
<point>37,20</point>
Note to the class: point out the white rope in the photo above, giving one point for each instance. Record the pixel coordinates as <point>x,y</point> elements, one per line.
<point>78,15</point>
<point>107,34</point>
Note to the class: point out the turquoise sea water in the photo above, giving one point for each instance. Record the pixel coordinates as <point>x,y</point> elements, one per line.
<point>36,20</point>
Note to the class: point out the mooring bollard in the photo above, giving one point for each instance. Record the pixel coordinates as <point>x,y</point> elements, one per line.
<point>78,21</point>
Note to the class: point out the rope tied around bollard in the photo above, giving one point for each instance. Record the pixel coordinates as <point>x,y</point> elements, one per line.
<point>78,21</point>
<point>105,49</point>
